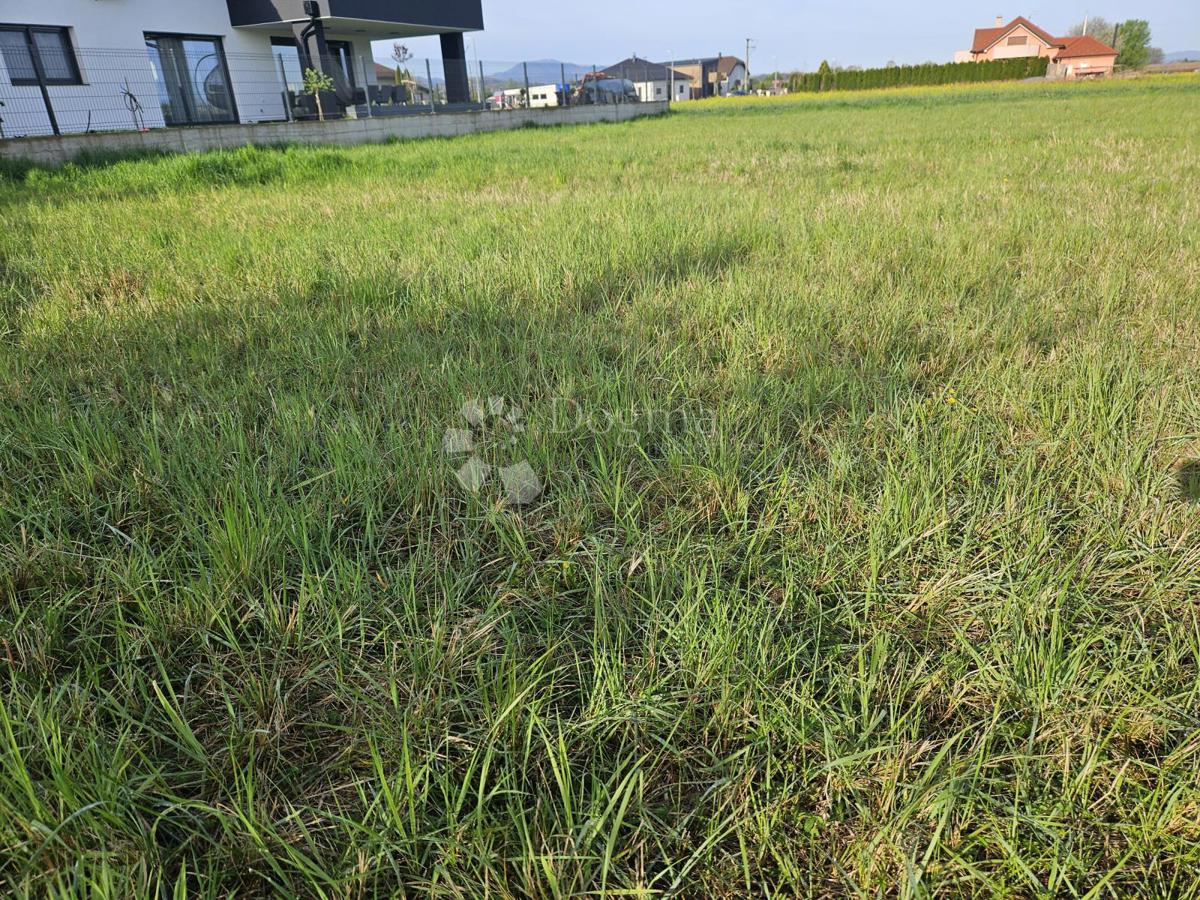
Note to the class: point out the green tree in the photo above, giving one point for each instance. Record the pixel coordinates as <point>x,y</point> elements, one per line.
<point>314,83</point>
<point>825,74</point>
<point>1133,43</point>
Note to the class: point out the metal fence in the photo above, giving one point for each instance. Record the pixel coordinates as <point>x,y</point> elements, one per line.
<point>178,82</point>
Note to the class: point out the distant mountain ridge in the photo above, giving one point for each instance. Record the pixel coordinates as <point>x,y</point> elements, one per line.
<point>541,71</point>
<point>1181,56</point>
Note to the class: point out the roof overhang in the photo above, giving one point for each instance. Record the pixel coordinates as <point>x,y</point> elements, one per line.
<point>1047,40</point>
<point>400,18</point>
<point>1036,37</point>
<point>337,26</point>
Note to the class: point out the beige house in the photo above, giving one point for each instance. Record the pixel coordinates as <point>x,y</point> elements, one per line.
<point>712,76</point>
<point>1071,57</point>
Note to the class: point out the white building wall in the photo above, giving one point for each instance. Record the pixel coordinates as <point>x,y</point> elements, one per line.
<point>109,41</point>
<point>736,80</point>
<point>543,96</point>
<point>652,90</point>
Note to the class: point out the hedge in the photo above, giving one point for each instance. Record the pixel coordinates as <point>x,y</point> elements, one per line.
<point>929,73</point>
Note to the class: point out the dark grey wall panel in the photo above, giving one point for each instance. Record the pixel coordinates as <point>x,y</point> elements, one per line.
<point>464,14</point>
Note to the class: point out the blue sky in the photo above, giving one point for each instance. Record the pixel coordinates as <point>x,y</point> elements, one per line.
<point>788,34</point>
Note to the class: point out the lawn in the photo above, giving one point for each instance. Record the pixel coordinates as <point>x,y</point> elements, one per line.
<point>861,550</point>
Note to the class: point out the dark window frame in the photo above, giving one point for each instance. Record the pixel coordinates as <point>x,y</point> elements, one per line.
<point>346,64</point>
<point>219,43</point>
<point>62,31</point>
<point>335,46</point>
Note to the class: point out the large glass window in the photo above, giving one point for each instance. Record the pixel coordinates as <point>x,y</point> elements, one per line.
<point>287,59</point>
<point>343,54</point>
<point>24,45</point>
<point>192,79</point>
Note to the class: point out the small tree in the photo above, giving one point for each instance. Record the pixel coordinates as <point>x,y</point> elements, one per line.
<point>825,74</point>
<point>1133,43</point>
<point>401,54</point>
<point>314,83</point>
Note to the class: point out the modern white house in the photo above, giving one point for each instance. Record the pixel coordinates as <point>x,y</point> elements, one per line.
<point>70,66</point>
<point>651,80</point>
<point>712,76</point>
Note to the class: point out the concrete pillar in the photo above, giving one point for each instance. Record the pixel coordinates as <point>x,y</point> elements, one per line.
<point>454,67</point>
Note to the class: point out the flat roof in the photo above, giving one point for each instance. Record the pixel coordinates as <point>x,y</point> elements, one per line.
<point>408,18</point>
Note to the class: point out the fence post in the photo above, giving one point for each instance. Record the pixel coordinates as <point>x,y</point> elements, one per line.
<point>283,90</point>
<point>362,60</point>
<point>429,77</point>
<point>528,99</point>
<point>482,86</point>
<point>562,80</point>
<point>40,73</point>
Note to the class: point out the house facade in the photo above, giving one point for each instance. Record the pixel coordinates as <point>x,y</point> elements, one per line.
<point>1085,57</point>
<point>69,66</point>
<point>652,81</point>
<point>1074,57</point>
<point>712,76</point>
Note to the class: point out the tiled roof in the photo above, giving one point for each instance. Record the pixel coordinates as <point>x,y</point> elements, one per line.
<point>985,37</point>
<point>1084,45</point>
<point>639,70</point>
<point>727,64</point>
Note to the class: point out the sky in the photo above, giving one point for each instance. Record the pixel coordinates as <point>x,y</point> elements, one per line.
<point>787,34</point>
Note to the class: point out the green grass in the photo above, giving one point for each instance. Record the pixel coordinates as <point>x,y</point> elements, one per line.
<point>868,558</point>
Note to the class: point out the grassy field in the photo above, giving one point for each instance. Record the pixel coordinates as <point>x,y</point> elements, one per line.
<point>866,560</point>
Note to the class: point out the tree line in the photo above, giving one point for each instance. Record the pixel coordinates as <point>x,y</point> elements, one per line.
<point>1131,38</point>
<point>829,79</point>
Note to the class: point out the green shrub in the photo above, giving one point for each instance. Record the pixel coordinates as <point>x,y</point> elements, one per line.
<point>924,74</point>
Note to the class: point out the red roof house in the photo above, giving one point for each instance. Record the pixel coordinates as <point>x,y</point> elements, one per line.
<point>1077,57</point>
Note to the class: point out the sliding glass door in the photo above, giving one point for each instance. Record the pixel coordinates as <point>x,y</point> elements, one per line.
<point>192,79</point>
<point>287,61</point>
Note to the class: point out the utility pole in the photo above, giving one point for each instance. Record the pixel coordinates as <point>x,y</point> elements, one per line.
<point>749,47</point>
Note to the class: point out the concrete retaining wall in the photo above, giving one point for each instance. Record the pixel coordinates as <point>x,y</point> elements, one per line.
<point>56,151</point>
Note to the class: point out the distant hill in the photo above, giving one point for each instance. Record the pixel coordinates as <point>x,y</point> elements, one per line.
<point>1181,56</point>
<point>541,71</point>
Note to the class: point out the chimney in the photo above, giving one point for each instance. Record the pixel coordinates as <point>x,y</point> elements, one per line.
<point>999,21</point>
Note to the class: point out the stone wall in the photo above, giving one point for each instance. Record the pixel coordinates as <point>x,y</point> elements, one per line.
<point>56,151</point>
